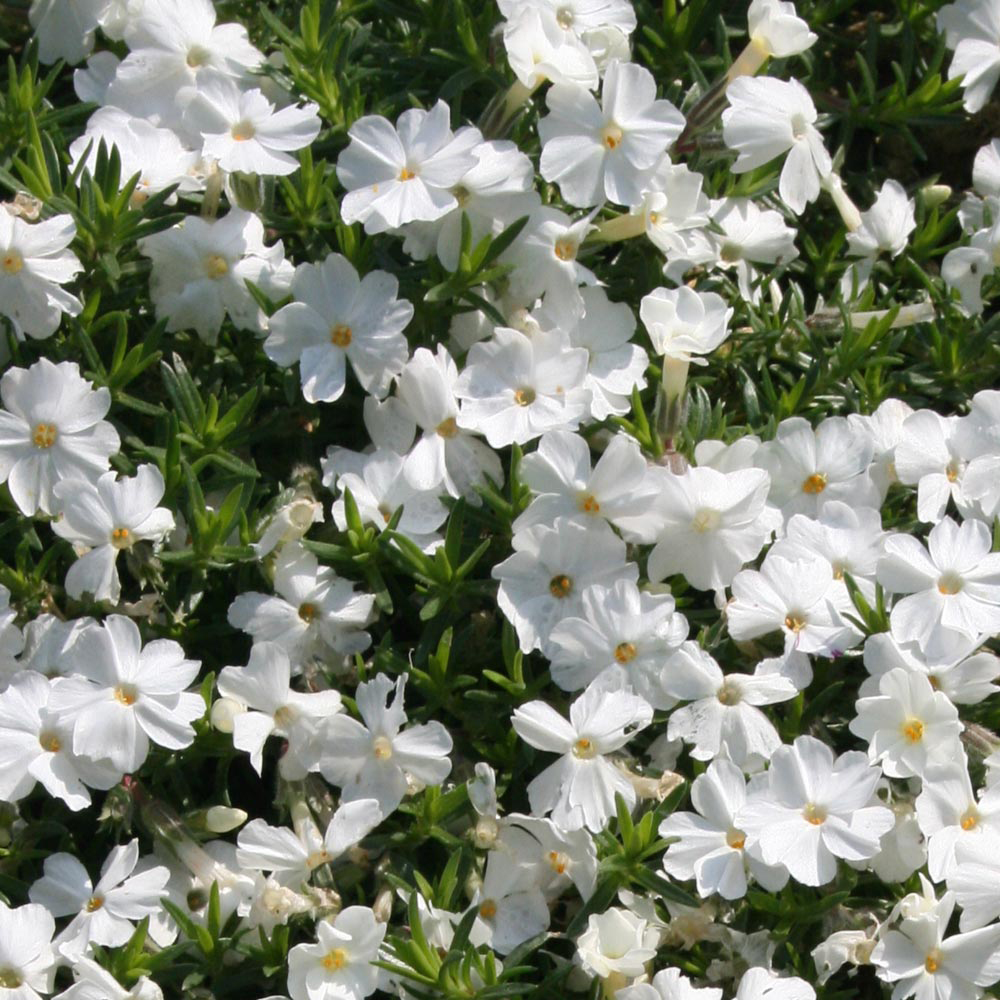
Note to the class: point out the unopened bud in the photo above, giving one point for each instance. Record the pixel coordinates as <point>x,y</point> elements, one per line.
<point>222,819</point>
<point>224,712</point>
<point>382,907</point>
<point>935,194</point>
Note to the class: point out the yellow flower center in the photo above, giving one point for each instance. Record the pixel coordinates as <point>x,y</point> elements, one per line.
<point>307,611</point>
<point>731,252</point>
<point>242,131</point>
<point>565,250</point>
<point>488,909</point>
<point>913,730</point>
<point>11,262</point>
<point>447,428</point>
<point>125,694</point>
<point>216,266</point>
<point>558,862</point>
<point>969,820</point>
<point>625,652</point>
<point>386,512</point>
<point>815,483</point>
<point>949,583</point>
<point>381,748</point>
<point>49,742</point>
<point>951,471</point>
<point>10,979</point>
<point>729,694</point>
<point>564,18</point>
<point>589,505</point>
<point>94,903</point>
<point>197,56</point>
<point>584,749</point>
<point>121,538</point>
<point>335,960</point>
<point>611,136</point>
<point>406,174</point>
<point>795,621</point>
<point>814,814</point>
<point>524,396</point>
<point>44,436</point>
<point>284,717</point>
<point>705,520</point>
<point>318,858</point>
<point>933,961</point>
<point>736,839</point>
<point>341,336</point>
<point>560,586</point>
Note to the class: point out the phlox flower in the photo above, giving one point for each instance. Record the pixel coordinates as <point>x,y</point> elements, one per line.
<point>767,118</point>
<point>816,808</point>
<point>125,695</point>
<point>105,913</point>
<point>618,489</point>
<point>763,984</point>
<point>539,49</point>
<point>338,317</point>
<point>104,518</point>
<point>339,966</point>
<point>312,610</point>
<point>93,982</point>
<point>603,151</point>
<point>668,984</point>
<point>396,175</point>
<point>616,945</point>
<point>37,746</point>
<point>543,582</point>
<point>26,954</point>
<point>48,644</point>
<point>200,271</point>
<point>242,131</point>
<point>909,726</point>
<point>885,228</point>
<point>554,857</point>
<point>708,524</point>
<point>810,466</point>
<point>883,428</point>
<point>35,262</point>
<point>263,688</point>
<point>953,583</point>
<point>66,31</point>
<point>510,906</point>
<point>723,716</point>
<point>12,640</point>
<point>709,847</point>
<point>684,324</point>
<point>446,454</point>
<point>52,428</point>
<point>292,856</point>
<point>623,636</point>
<point>376,759</point>
<point>579,789</point>
<point>776,29</point>
<point>975,881</point>
<point>922,962</point>
<point>514,388</point>
<point>972,29</point>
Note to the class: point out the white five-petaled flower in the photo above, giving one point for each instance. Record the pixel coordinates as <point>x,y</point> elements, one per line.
<point>579,789</point>
<point>52,428</point>
<point>27,961</point>
<point>338,317</point>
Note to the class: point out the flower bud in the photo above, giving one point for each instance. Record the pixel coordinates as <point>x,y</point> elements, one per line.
<point>224,712</point>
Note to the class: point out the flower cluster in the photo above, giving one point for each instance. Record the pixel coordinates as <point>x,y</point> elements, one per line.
<point>432,628</point>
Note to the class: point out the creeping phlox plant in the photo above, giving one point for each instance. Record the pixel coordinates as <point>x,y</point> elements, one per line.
<point>499,501</point>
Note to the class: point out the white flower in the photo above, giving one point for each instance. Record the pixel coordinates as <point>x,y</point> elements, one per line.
<point>539,48</point>
<point>103,518</point>
<point>36,745</point>
<point>975,881</point>
<point>682,322</point>
<point>543,582</point>
<point>337,317</point>
<point>27,961</point>
<point>723,715</point>
<point>763,984</point>
<point>776,29</point>
<point>263,686</point>
<point>316,609</point>
<point>922,962</point>
<point>510,906</point>
<point>617,943</point>
<point>339,966</point>
<point>579,789</point>
<point>35,263</point>
<point>953,583</point>
<point>125,695</point>
<point>293,856</point>
<point>105,913</point>
<point>376,760</point>
<point>668,984</point>
<point>12,641</point>
<point>909,726</point>
<point>709,846</point>
<point>514,388</point>
<point>603,151</point>
<point>816,809</point>
<point>401,174</point>
<point>200,271</point>
<point>51,429</point>
<point>767,118</point>
<point>241,129</point>
<point>972,29</point>
<point>66,30</point>
<point>885,228</point>
<point>95,983</point>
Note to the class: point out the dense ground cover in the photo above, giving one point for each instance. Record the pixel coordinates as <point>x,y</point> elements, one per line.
<point>615,383</point>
